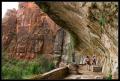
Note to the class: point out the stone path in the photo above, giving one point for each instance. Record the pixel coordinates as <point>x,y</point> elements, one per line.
<point>85,74</point>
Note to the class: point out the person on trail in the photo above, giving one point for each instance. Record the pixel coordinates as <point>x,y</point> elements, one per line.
<point>87,62</point>
<point>94,60</point>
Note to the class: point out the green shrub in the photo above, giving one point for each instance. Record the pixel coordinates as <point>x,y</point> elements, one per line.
<point>12,72</point>
<point>18,69</point>
<point>102,20</point>
<point>109,77</point>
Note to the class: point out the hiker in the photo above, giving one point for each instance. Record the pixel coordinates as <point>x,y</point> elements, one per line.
<point>94,60</point>
<point>87,62</point>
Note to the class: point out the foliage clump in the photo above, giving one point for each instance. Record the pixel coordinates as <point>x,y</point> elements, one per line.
<point>18,69</point>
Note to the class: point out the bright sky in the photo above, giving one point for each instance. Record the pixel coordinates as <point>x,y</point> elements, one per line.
<point>8,5</point>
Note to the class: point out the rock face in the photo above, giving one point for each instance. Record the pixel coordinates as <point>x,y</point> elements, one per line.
<point>38,31</point>
<point>94,25</point>
<point>8,28</point>
<point>28,32</point>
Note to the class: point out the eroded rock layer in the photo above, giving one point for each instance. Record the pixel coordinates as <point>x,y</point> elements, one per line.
<point>94,25</point>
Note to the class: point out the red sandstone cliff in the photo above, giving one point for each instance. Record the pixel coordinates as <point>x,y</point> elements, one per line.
<point>28,31</point>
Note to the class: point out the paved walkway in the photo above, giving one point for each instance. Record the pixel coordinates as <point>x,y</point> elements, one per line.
<point>85,74</point>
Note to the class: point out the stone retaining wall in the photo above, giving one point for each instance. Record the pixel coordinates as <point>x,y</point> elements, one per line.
<point>58,73</point>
